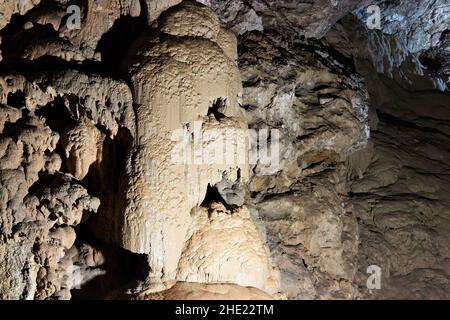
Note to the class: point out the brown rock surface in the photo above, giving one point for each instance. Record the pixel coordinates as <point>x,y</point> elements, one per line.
<point>129,169</point>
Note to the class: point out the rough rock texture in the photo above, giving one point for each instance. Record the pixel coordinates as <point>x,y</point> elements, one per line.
<point>10,7</point>
<point>399,189</point>
<point>82,144</point>
<point>320,108</point>
<point>155,8</point>
<point>127,169</point>
<point>198,291</point>
<point>309,18</point>
<point>46,32</point>
<point>412,29</point>
<point>180,76</point>
<point>41,204</point>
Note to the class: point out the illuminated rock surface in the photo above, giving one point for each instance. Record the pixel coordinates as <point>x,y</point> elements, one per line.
<point>128,169</point>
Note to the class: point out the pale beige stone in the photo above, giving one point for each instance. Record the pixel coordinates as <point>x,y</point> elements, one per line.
<point>175,82</point>
<point>198,291</point>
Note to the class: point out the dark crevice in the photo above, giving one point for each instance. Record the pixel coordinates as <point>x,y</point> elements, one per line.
<point>45,180</point>
<point>16,99</point>
<point>56,114</point>
<point>58,119</point>
<point>14,129</point>
<point>103,181</point>
<point>113,52</point>
<point>14,26</point>
<point>18,41</point>
<point>216,108</point>
<point>213,195</point>
<point>279,196</point>
<point>121,268</point>
<point>113,46</point>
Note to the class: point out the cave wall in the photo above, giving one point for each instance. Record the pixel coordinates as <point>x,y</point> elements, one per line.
<point>104,196</point>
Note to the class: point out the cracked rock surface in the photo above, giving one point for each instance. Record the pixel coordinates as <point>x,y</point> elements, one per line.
<point>229,149</point>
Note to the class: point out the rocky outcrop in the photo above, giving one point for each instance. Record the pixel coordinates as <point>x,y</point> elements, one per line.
<point>223,149</point>
<point>71,33</point>
<point>410,44</point>
<point>311,19</point>
<point>412,30</point>
<point>397,182</point>
<point>398,189</point>
<point>210,253</point>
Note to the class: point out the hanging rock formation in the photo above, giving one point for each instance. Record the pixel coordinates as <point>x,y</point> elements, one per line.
<point>41,204</point>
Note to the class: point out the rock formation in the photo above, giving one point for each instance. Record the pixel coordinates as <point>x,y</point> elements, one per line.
<point>41,203</point>
<point>224,149</point>
<point>180,75</point>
